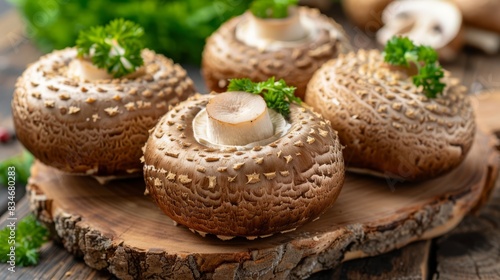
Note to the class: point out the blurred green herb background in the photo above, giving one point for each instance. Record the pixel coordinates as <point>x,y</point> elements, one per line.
<point>176,28</point>
<point>22,163</point>
<point>30,236</point>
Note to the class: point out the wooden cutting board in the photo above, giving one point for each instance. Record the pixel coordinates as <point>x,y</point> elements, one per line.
<point>116,227</point>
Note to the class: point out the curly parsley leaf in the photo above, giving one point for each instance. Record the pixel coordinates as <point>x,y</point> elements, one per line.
<point>277,94</point>
<point>115,47</point>
<point>401,51</point>
<point>271,8</point>
<point>30,235</point>
<point>427,54</point>
<point>397,51</point>
<point>427,77</point>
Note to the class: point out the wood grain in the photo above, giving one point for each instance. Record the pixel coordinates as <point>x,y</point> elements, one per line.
<point>408,263</point>
<point>55,262</point>
<point>472,250</point>
<point>486,107</point>
<point>115,227</point>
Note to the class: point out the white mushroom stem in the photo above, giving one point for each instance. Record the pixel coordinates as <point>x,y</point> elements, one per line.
<point>281,29</point>
<point>238,118</point>
<point>487,41</point>
<point>84,70</point>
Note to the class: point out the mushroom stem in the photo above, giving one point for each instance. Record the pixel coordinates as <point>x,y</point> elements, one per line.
<point>238,118</point>
<point>281,29</point>
<point>84,70</point>
<point>487,41</point>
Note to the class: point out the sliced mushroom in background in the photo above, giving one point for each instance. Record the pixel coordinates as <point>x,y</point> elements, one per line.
<point>434,23</point>
<point>255,188</point>
<point>483,14</point>
<point>71,119</point>
<point>387,124</point>
<point>482,19</point>
<point>366,14</point>
<point>291,48</point>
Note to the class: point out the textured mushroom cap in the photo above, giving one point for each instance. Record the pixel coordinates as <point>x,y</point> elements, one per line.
<point>225,57</point>
<point>247,192</point>
<point>481,13</point>
<point>95,128</point>
<point>389,127</point>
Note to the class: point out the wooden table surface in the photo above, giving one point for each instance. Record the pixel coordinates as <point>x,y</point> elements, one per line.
<point>471,251</point>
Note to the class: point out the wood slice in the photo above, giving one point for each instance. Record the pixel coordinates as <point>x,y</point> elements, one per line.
<point>472,250</point>
<point>116,227</point>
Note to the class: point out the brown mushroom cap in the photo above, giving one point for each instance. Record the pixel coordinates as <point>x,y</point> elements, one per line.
<point>389,127</point>
<point>481,13</point>
<point>366,14</point>
<point>225,57</point>
<point>98,127</point>
<point>237,191</point>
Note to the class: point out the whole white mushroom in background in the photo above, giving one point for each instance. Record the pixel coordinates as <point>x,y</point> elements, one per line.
<point>480,27</point>
<point>482,19</point>
<point>434,23</point>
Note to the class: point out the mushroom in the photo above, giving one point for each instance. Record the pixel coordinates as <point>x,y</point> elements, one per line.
<point>246,180</point>
<point>482,23</point>
<point>291,48</point>
<point>429,22</point>
<point>389,127</point>
<point>481,13</point>
<point>75,117</point>
<point>366,14</point>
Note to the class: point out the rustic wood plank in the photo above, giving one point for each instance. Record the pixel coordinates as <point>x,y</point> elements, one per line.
<point>55,262</point>
<point>484,75</point>
<point>486,107</point>
<point>472,250</point>
<point>12,30</point>
<point>411,262</point>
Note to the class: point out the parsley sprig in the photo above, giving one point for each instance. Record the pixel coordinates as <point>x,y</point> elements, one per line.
<point>277,94</point>
<point>115,47</point>
<point>30,236</point>
<point>401,51</point>
<point>271,8</point>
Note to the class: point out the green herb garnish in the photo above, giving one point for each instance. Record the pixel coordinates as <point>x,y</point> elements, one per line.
<point>271,8</point>
<point>21,163</point>
<point>401,51</point>
<point>115,47</point>
<point>30,235</point>
<point>277,94</point>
